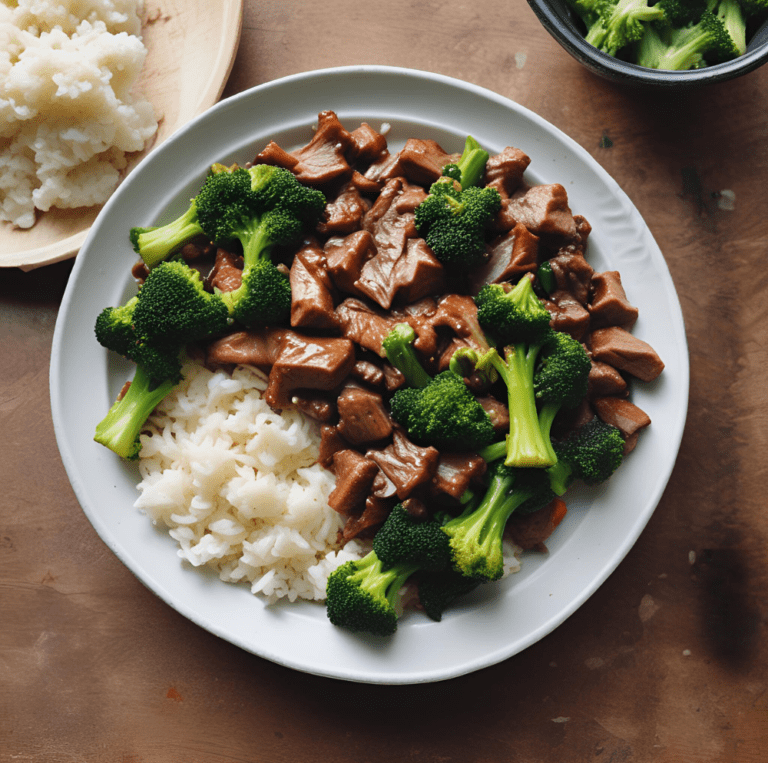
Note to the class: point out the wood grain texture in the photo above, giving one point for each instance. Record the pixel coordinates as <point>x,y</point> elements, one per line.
<point>666,663</point>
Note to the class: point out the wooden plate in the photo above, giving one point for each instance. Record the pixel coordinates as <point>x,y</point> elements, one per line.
<point>191,47</point>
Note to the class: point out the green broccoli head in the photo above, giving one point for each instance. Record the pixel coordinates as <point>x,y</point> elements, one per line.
<point>278,188</point>
<point>157,244</point>
<point>591,454</point>
<point>562,373</point>
<point>477,534</point>
<point>263,299</point>
<point>362,595</point>
<point>438,590</point>
<point>174,307</point>
<point>444,414</point>
<point>403,539</point>
<point>513,316</point>
<point>625,22</point>
<point>454,221</point>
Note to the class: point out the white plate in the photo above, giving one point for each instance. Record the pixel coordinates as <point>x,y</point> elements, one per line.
<point>497,621</point>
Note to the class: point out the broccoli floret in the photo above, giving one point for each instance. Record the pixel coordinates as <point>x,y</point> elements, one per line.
<point>468,171</point>
<point>477,533</point>
<point>158,243</point>
<point>439,411</point>
<point>438,590</point>
<point>733,19</point>
<point>560,380</point>
<point>262,207</point>
<point>680,13</point>
<point>591,453</point>
<point>404,539</point>
<point>623,23</point>
<point>364,595</point>
<point>153,330</point>
<point>174,307</point>
<point>400,352</point>
<point>689,47</point>
<point>519,320</point>
<point>444,414</point>
<point>455,215</point>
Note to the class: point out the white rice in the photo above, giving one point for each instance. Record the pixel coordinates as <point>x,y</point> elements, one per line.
<point>68,114</point>
<point>239,488</point>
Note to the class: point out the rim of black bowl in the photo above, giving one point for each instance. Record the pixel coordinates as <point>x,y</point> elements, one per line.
<point>613,68</point>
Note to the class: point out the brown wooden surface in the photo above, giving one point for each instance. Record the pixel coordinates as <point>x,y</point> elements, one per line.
<point>667,661</point>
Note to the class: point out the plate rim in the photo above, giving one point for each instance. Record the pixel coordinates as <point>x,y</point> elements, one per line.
<point>619,554</point>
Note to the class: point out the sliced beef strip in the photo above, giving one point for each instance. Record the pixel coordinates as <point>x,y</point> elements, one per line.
<point>312,302</point>
<point>416,274</point>
<point>420,161</point>
<point>572,273</point>
<point>323,159</point>
<point>568,314</point>
<point>364,325</point>
<point>504,171</point>
<point>344,213</point>
<point>366,524</point>
<point>365,185</point>
<point>628,418</point>
<point>543,209</point>
<point>510,256</point>
<point>227,271</point>
<point>315,405</point>
<point>330,443</point>
<point>609,305</point>
<point>626,352</point>
<point>363,417</point>
<point>367,144</point>
<point>273,154</point>
<point>354,479</point>
<point>252,347</point>
<point>368,373</point>
<point>605,380</point>
<point>407,465</point>
<point>456,472</point>
<point>304,362</point>
<point>497,411</point>
<point>345,257</point>
<point>409,199</point>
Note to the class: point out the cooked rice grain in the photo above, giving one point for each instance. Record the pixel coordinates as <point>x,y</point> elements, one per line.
<point>239,488</point>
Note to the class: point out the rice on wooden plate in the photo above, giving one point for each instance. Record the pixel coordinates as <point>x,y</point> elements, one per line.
<point>239,488</point>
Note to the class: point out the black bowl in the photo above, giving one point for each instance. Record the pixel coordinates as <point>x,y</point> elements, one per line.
<point>558,19</point>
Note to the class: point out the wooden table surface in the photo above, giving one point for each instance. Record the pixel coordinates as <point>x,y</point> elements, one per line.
<point>666,662</point>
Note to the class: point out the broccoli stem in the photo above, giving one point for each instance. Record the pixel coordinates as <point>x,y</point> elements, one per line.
<point>119,430</point>
<point>399,351</point>
<point>526,445</point>
<point>157,244</point>
<point>547,415</point>
<point>472,163</point>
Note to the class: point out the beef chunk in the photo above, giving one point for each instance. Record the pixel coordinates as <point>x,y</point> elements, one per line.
<point>330,443</point>
<point>504,171</point>
<point>323,159</point>
<point>364,325</point>
<point>312,303</point>
<point>456,472</point>
<point>305,362</point>
<point>363,419</point>
<point>626,352</point>
<point>543,209</point>
<point>227,271</point>
<point>568,314</point>
<point>344,213</point>
<point>368,373</point>
<point>420,161</point>
<point>609,305</point>
<point>276,156</point>
<point>628,418</point>
<point>605,380</point>
<point>366,524</point>
<point>497,412</point>
<point>572,273</point>
<point>346,256</point>
<point>510,256</point>
<point>354,478</point>
<point>408,466</point>
<point>367,144</point>
<point>315,405</point>
<point>254,347</point>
